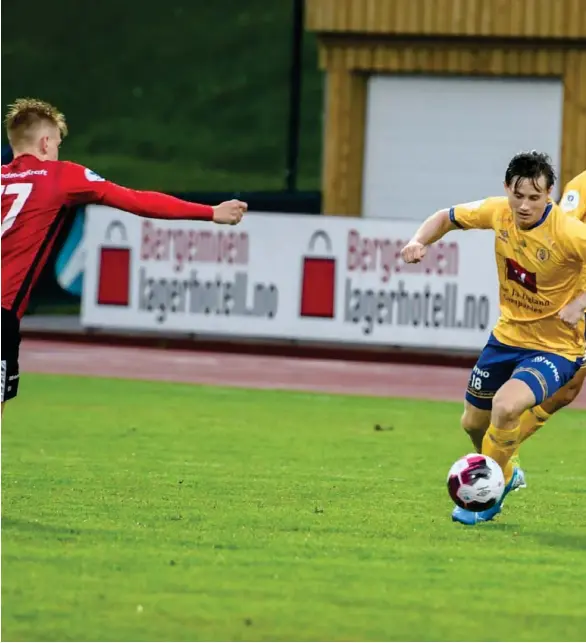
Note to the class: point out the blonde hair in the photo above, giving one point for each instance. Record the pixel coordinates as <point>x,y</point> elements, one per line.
<point>26,113</point>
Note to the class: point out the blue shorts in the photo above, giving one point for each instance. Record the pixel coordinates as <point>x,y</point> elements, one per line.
<point>544,373</point>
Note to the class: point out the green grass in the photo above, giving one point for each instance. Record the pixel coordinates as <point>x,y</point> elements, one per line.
<point>179,96</point>
<point>145,511</point>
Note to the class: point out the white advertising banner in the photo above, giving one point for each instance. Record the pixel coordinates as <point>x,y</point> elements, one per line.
<point>334,279</point>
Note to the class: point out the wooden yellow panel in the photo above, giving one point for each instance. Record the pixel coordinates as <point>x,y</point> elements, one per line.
<point>442,57</point>
<point>545,20</point>
<point>468,60</point>
<point>323,55</point>
<point>558,23</point>
<point>338,58</point>
<point>580,134</point>
<point>387,14</point>
<point>360,15</point>
<point>557,63</point>
<point>574,128</point>
<point>423,59</point>
<point>541,62</point>
<point>407,58</point>
<point>368,57</point>
<point>502,18</point>
<point>526,62</point>
<point>486,19</point>
<point>355,167</point>
<point>331,157</point>
<point>374,12</point>
<point>379,58</point>
<point>344,143</point>
<point>451,15</point>
<point>573,16</point>
<point>393,59</point>
<point>497,59</point>
<point>569,119</point>
<point>414,20</point>
<point>351,57</point>
<point>427,22</point>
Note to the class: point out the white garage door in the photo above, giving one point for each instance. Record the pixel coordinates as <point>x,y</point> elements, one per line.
<point>435,141</point>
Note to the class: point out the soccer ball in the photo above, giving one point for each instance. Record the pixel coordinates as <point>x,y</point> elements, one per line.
<point>476,482</point>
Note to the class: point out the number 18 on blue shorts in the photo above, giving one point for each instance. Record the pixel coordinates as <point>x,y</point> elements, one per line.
<point>544,373</point>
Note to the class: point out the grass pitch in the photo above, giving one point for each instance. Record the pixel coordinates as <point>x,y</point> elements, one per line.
<point>162,512</point>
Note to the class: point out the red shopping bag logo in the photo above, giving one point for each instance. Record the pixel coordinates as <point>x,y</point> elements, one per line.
<point>114,268</point>
<point>318,279</point>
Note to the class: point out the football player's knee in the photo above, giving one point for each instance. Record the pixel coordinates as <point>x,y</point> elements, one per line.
<point>473,420</point>
<point>506,407</point>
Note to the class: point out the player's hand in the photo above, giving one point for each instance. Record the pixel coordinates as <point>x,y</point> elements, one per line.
<point>230,212</point>
<point>572,313</point>
<point>413,252</point>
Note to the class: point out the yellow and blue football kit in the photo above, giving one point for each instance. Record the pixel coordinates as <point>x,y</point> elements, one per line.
<point>573,201</point>
<point>539,272</point>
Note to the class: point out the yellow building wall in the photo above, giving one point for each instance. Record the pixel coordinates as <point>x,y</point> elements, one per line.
<point>531,38</point>
<point>560,19</point>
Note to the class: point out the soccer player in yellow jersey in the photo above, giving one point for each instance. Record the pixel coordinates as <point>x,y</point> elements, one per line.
<point>573,203</point>
<point>532,352</point>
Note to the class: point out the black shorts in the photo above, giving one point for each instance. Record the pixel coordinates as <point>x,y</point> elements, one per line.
<point>10,349</point>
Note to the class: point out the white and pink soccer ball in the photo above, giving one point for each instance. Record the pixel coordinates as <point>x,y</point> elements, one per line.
<point>476,482</point>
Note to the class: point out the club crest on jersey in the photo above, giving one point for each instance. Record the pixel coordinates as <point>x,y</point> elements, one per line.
<point>92,176</point>
<point>542,254</point>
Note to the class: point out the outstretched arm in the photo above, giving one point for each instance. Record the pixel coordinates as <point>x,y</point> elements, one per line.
<point>466,216</point>
<point>82,186</point>
<point>162,206</point>
<point>431,230</point>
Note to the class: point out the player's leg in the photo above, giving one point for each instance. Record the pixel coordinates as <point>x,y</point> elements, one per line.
<point>536,378</point>
<point>9,358</point>
<point>499,442</point>
<point>502,437</point>
<point>494,367</point>
<point>533,419</point>
<point>475,422</point>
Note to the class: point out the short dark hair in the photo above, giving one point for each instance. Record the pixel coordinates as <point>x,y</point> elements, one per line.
<point>530,165</point>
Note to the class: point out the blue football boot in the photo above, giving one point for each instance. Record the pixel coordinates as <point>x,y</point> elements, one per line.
<point>466,517</point>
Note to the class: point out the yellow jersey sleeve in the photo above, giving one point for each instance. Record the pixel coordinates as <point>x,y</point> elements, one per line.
<point>474,215</point>
<point>574,240</point>
<point>573,201</point>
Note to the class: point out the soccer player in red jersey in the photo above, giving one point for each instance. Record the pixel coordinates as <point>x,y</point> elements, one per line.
<point>38,191</point>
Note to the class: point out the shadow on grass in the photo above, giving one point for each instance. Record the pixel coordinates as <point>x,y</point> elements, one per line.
<point>33,526</point>
<point>572,542</point>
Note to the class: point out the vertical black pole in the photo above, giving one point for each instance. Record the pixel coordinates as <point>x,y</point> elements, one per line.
<point>295,96</point>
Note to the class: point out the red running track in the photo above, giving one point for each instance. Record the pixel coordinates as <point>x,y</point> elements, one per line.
<point>328,376</point>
